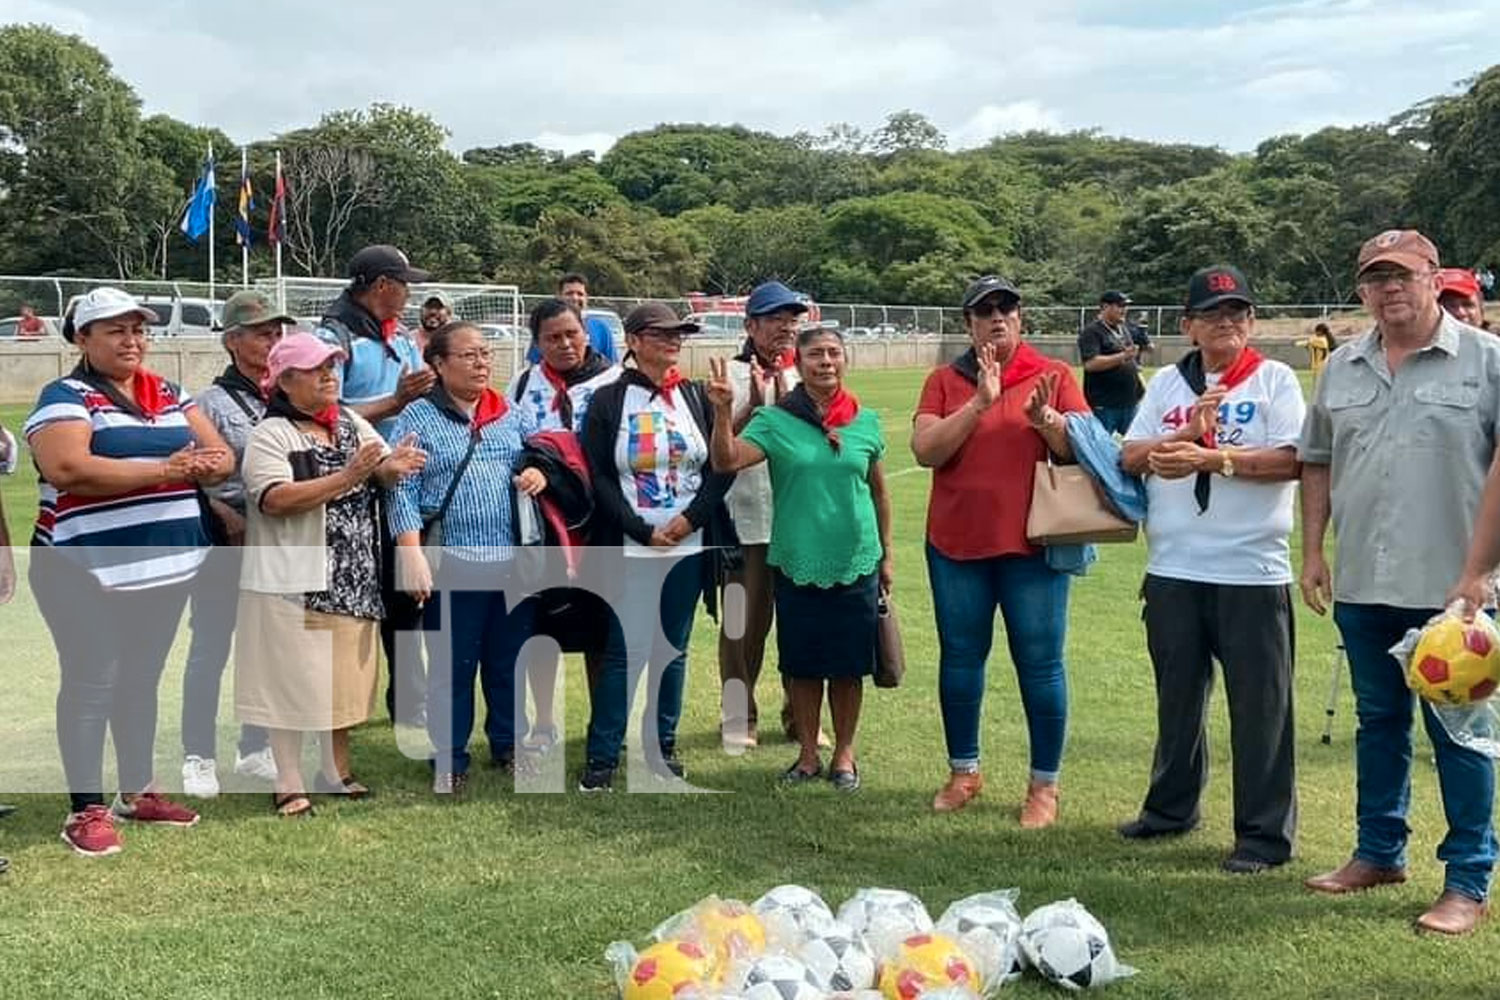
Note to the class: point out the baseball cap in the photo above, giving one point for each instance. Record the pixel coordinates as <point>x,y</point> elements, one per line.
<point>771,296</point>
<point>297,352</point>
<point>384,261</point>
<point>657,316</point>
<point>1210,286</point>
<point>438,295</point>
<point>105,303</point>
<point>249,307</point>
<point>1458,280</point>
<point>1114,298</point>
<point>1403,247</point>
<point>990,284</point>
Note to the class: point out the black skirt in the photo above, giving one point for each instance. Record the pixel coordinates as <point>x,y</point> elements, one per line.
<point>826,632</point>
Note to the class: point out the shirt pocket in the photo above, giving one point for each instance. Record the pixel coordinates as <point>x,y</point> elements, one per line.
<point>1446,417</point>
<point>1353,414</point>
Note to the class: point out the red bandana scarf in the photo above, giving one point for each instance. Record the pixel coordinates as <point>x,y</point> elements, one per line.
<point>492,407</point>
<point>1025,362</point>
<point>671,381</point>
<point>559,385</point>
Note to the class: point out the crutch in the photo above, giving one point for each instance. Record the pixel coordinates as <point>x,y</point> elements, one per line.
<point>1332,707</point>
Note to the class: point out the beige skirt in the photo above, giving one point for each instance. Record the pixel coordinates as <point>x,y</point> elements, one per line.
<point>302,670</point>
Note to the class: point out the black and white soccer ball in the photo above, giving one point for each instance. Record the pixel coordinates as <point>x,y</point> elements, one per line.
<point>781,977</point>
<point>1074,958</point>
<point>988,928</point>
<point>885,918</point>
<point>838,959</point>
<point>1064,913</point>
<point>793,910</point>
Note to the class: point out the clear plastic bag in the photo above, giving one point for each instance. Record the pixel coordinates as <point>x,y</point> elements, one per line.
<point>1070,948</point>
<point>1454,667</point>
<point>885,917</point>
<point>988,927</point>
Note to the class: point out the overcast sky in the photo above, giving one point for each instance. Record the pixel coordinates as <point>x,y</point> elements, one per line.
<point>576,76</point>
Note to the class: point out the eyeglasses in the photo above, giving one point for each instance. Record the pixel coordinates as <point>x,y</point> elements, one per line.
<point>1381,277</point>
<point>1236,314</point>
<point>471,358</point>
<point>660,334</point>
<point>991,307</point>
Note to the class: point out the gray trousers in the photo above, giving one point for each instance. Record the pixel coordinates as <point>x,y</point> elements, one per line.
<point>1250,631</point>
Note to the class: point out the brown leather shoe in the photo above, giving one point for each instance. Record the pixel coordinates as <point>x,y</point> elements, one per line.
<point>1355,876</point>
<point>1453,913</point>
<point>961,787</point>
<point>1040,809</point>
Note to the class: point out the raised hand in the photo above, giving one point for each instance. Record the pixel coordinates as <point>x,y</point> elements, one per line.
<point>719,389</point>
<point>1039,409</point>
<point>414,384</point>
<point>406,459</point>
<point>364,463</point>
<point>1204,418</point>
<point>988,389</point>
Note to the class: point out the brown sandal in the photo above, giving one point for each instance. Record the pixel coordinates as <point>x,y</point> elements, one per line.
<point>291,805</point>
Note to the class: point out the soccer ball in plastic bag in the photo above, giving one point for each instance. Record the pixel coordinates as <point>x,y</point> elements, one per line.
<point>1063,913</point>
<point>1455,662</point>
<point>781,977</point>
<point>1074,958</point>
<point>988,928</point>
<point>839,959</point>
<point>731,929</point>
<point>792,910</point>
<point>668,969</point>
<point>884,918</point>
<point>926,962</point>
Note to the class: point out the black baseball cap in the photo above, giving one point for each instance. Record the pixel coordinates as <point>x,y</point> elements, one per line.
<point>1114,298</point>
<point>384,261</point>
<point>657,316</point>
<point>990,284</point>
<point>1210,286</point>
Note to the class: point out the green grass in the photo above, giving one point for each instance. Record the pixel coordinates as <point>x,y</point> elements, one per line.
<point>512,895</point>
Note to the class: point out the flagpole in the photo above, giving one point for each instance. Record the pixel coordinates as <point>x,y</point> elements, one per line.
<point>211,235</point>
<point>244,243</point>
<point>280,223</point>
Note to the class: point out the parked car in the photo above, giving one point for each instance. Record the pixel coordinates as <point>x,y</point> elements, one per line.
<point>10,324</point>
<point>503,331</point>
<point>183,317</point>
<point>720,324</point>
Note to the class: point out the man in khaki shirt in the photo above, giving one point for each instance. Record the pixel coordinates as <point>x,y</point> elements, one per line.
<point>1396,446</point>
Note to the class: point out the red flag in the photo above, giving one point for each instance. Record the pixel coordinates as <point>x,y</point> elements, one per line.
<point>276,230</point>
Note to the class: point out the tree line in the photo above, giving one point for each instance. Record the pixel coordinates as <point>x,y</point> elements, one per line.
<point>91,186</point>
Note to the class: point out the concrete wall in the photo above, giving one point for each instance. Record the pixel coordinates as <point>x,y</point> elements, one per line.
<point>26,367</point>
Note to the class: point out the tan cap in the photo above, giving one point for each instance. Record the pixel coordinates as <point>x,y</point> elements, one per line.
<point>1404,247</point>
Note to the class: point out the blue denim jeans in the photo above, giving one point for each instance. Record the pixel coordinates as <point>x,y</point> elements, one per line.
<point>212,610</point>
<point>485,634</point>
<point>1116,419</point>
<point>1383,751</point>
<point>655,617</point>
<point>1033,600</point>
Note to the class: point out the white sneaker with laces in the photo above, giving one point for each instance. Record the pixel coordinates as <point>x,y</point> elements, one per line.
<point>259,764</point>
<point>200,778</point>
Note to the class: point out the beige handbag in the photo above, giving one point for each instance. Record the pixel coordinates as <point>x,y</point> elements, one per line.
<point>1068,509</point>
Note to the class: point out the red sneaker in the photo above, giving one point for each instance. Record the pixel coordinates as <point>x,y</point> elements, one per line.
<point>152,807</point>
<point>92,833</point>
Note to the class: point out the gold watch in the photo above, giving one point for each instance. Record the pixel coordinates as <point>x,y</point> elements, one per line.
<point>1226,465</point>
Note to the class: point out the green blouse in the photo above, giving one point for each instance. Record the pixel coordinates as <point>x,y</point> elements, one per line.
<point>823,526</point>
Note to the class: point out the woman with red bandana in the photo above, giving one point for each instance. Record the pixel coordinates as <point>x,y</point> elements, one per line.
<point>982,424</point>
<point>556,392</point>
<point>473,439</point>
<point>119,536</point>
<point>830,544</point>
<point>310,606</point>
<point>661,507</point>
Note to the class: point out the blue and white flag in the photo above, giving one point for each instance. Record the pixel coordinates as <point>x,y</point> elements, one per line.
<point>195,221</point>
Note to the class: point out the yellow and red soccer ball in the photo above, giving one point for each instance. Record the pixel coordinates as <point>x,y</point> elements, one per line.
<point>730,931</point>
<point>1456,662</point>
<point>926,962</point>
<point>669,969</point>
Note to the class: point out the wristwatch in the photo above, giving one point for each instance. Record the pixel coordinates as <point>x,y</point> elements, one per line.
<point>1226,465</point>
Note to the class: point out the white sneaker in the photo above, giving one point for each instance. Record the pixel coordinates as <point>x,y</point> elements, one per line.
<point>200,778</point>
<point>259,764</point>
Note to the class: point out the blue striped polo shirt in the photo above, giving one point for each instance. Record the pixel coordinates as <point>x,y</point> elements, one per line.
<point>149,537</point>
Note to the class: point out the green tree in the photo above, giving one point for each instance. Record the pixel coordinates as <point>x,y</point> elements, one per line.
<point>746,248</point>
<point>1457,192</point>
<point>907,131</point>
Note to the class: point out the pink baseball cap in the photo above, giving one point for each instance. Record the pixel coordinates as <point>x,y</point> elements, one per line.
<point>297,352</point>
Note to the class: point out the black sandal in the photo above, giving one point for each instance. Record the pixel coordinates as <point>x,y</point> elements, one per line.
<point>794,775</point>
<point>347,787</point>
<point>281,803</point>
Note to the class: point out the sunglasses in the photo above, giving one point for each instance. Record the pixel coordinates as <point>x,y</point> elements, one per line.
<point>995,306</point>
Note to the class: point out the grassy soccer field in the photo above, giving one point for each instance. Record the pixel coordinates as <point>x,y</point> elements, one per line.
<point>516,896</point>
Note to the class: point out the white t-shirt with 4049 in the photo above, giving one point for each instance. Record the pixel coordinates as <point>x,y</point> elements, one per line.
<point>1242,537</point>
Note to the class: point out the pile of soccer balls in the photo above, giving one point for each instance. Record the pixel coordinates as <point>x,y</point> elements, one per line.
<point>881,945</point>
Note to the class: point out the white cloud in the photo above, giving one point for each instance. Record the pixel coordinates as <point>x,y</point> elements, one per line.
<point>1293,84</point>
<point>1002,119</point>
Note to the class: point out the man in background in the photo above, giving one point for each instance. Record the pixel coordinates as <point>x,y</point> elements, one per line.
<point>1111,364</point>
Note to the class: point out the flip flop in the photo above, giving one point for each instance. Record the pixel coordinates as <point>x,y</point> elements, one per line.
<point>285,805</point>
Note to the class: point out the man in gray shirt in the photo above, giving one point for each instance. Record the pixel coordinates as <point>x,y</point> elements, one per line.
<point>235,404</point>
<point>1396,447</point>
